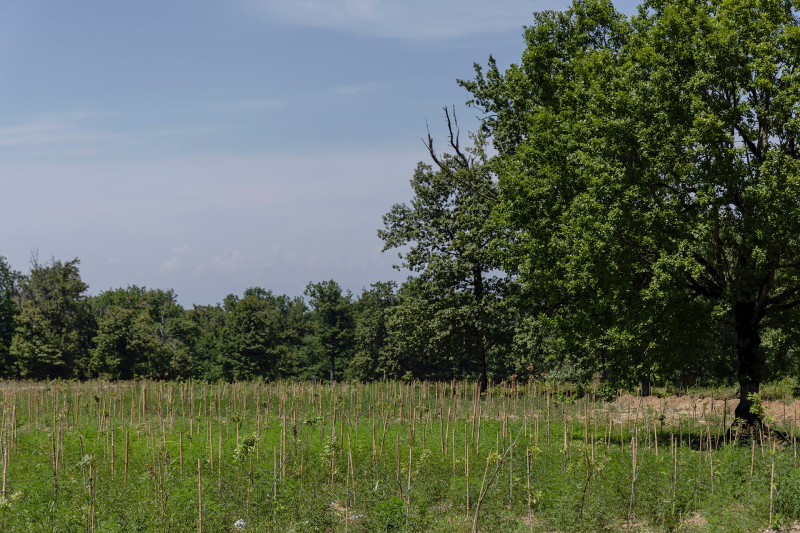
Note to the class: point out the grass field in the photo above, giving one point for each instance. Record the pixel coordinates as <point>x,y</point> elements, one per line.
<point>386,456</point>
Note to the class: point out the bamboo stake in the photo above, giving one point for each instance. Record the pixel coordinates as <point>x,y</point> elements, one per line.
<point>528,477</point>
<point>5,468</point>
<point>181,450</point>
<point>710,457</point>
<point>83,468</point>
<point>466,464</point>
<point>655,436</point>
<point>675,470</point>
<point>408,486</point>
<point>441,428</point>
<point>566,442</point>
<point>772,485</point>
<point>55,461</point>
<point>127,450</point>
<point>200,494</point>
<point>752,454</point>
<point>275,472</point>
<point>93,477</point>
<point>447,431</point>
<point>725,422</point>
<point>383,437</point>
<point>634,457</point>
<point>211,445</point>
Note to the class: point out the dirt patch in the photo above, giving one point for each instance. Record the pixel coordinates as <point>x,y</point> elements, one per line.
<point>794,527</point>
<point>696,520</point>
<point>696,407</point>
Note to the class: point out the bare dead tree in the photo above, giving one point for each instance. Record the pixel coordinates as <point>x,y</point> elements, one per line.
<point>462,162</point>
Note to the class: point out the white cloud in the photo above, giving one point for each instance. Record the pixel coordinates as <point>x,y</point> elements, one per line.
<point>350,90</point>
<point>229,262</point>
<point>36,133</point>
<point>419,20</point>
<point>183,249</point>
<point>167,132</point>
<point>170,265</point>
<point>87,136</point>
<point>253,105</point>
<point>50,128</point>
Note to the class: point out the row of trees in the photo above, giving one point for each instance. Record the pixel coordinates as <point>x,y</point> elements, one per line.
<point>50,327</point>
<point>638,219</point>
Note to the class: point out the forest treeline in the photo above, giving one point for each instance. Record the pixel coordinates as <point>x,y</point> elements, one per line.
<point>51,327</point>
<point>628,209</point>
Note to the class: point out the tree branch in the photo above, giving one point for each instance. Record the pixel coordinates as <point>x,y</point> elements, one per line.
<point>464,162</point>
<point>714,275</point>
<point>763,291</point>
<point>750,144</point>
<point>788,294</point>
<point>698,288</point>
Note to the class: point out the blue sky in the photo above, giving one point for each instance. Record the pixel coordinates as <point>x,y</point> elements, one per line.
<point>210,146</point>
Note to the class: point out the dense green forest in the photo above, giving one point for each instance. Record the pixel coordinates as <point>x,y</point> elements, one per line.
<point>53,328</point>
<point>629,210</point>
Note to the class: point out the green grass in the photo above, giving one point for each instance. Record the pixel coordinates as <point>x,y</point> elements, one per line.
<point>331,472</point>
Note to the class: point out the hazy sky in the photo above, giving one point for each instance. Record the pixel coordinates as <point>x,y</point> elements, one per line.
<point>210,146</point>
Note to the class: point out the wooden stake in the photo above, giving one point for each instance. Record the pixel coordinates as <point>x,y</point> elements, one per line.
<point>5,468</point>
<point>93,477</point>
<point>528,476</point>
<point>675,470</point>
<point>466,464</point>
<point>181,450</point>
<point>410,459</point>
<point>55,463</point>
<point>772,484</point>
<point>113,454</point>
<point>200,494</point>
<point>752,454</point>
<point>511,475</point>
<point>127,450</point>
<point>211,445</point>
<point>383,437</point>
<point>655,436</point>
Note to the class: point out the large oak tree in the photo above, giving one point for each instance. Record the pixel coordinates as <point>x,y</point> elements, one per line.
<point>650,169</point>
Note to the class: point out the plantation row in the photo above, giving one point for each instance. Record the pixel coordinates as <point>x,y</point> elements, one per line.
<point>383,456</point>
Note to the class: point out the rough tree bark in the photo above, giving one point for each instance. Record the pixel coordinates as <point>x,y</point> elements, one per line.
<point>480,357</point>
<point>645,382</point>
<point>480,345</point>
<point>751,361</point>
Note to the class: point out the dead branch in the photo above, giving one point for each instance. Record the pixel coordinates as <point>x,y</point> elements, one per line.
<point>464,162</point>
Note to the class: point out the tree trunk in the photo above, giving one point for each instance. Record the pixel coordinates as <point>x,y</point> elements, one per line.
<point>332,362</point>
<point>480,356</point>
<point>751,363</point>
<point>480,346</point>
<point>606,373</point>
<point>645,381</point>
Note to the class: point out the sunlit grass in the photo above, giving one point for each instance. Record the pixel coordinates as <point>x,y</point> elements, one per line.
<point>381,457</point>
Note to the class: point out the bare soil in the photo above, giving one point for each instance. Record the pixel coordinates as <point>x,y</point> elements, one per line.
<point>695,407</point>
